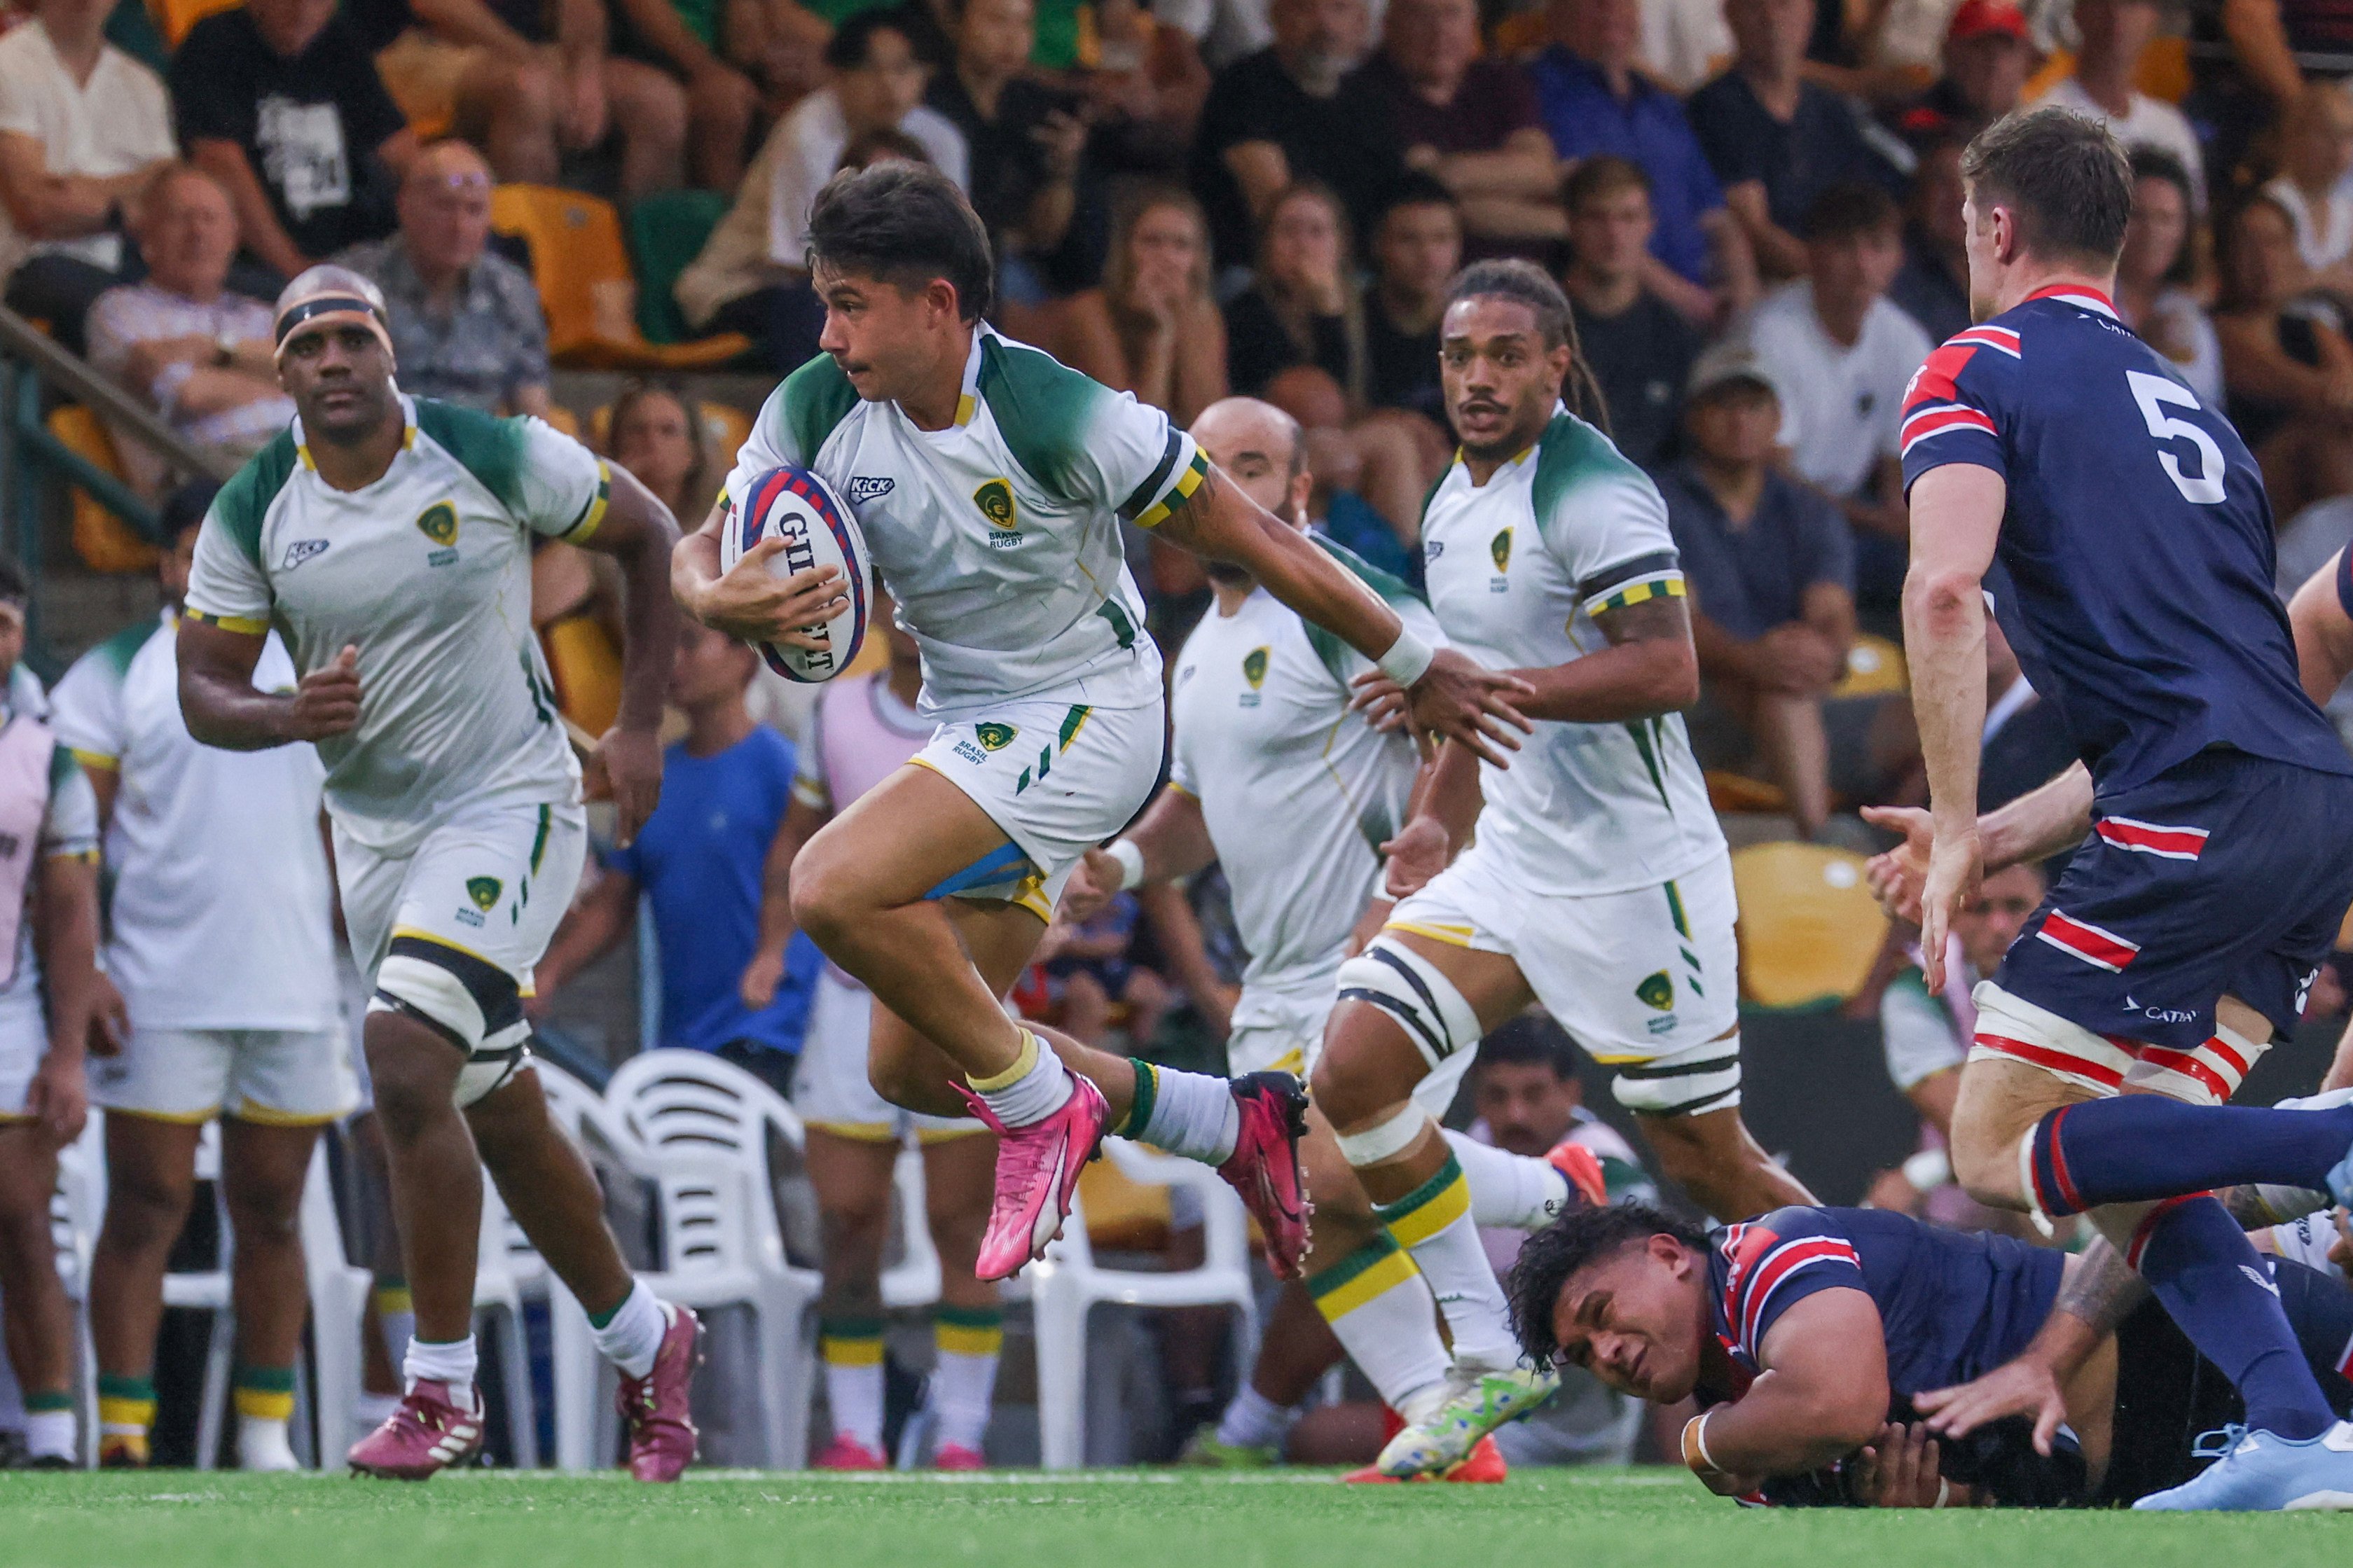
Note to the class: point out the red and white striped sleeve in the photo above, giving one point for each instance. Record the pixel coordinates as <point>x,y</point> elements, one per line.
<point>1953,408</point>
<point>1777,1262</point>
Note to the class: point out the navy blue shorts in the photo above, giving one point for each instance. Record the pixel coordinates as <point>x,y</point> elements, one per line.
<point>2226,876</point>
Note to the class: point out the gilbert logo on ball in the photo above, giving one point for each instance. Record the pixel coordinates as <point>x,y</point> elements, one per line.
<point>817,529</point>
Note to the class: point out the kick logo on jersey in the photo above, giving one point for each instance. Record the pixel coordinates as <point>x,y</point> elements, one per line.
<point>995,500</point>
<point>1254,671</point>
<point>865,487</point>
<point>299,552</point>
<point>1656,991</point>
<point>1500,549</point>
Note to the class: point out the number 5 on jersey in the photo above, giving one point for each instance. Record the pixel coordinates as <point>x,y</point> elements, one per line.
<point>2154,393</point>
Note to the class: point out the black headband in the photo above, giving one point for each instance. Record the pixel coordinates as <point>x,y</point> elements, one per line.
<point>325,305</point>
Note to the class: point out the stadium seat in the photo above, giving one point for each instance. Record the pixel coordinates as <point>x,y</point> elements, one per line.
<point>582,270</point>
<point>104,542</point>
<point>75,1210</point>
<point>1731,792</point>
<point>1069,1284</point>
<point>704,1127</point>
<point>175,17</point>
<point>912,1278</point>
<point>587,669</point>
<point>1808,927</point>
<point>576,1371</point>
<point>499,1296</point>
<point>2163,72</point>
<point>1875,667</point>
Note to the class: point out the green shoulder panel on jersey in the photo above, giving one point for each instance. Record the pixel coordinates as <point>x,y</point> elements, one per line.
<point>115,654</point>
<point>1044,411</point>
<point>493,450</point>
<point>63,767</point>
<point>1393,590</point>
<point>811,402</point>
<point>244,501</point>
<point>1571,454</point>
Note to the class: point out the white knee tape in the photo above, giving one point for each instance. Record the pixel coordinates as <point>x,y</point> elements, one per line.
<point>2209,1073</point>
<point>2011,1027</point>
<point>426,990</point>
<point>1385,1139</point>
<point>1705,1077</point>
<point>1412,990</point>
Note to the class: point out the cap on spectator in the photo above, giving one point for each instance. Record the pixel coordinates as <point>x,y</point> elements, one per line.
<point>1725,364</point>
<point>1983,18</point>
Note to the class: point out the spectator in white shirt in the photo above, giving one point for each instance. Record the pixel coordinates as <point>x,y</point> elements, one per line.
<point>82,125</point>
<point>751,277</point>
<point>2315,150</point>
<point>180,341</point>
<point>1840,352</point>
<point>2115,34</point>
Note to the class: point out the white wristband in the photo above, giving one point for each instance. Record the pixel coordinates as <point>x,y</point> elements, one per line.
<point>1131,862</point>
<point>1407,658</point>
<point>1928,1170</point>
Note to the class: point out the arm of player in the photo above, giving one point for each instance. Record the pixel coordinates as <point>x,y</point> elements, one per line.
<point>1956,511</point>
<point>587,931</point>
<point>222,709</point>
<point>1448,692</point>
<point>1170,840</point>
<point>2323,632</point>
<point>2052,817</point>
<point>638,532</point>
<point>1822,1394</point>
<point>1444,806</point>
<point>1650,667</point>
<point>65,935</point>
<point>2098,1292</point>
<point>765,970</point>
<point>750,603</point>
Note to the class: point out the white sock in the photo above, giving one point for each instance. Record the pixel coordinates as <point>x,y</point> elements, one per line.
<point>1433,1223</point>
<point>632,1336</point>
<point>1508,1189</point>
<point>1380,1310</point>
<point>50,1434</point>
<point>963,1389</point>
<point>1254,1421</point>
<point>453,1363</point>
<point>854,1394</point>
<point>1190,1114</point>
<point>262,1445</point>
<point>1031,1089</point>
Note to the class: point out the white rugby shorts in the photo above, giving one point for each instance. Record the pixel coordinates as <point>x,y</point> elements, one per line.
<point>831,1089</point>
<point>1283,1031</point>
<point>1058,774</point>
<point>1647,981</point>
<point>289,1078</point>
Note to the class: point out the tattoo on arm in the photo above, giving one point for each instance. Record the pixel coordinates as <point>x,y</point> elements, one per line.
<point>1653,620</point>
<point>2102,1289</point>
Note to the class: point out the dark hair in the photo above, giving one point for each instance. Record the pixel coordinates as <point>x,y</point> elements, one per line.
<point>1550,1258</point>
<point>1529,1039</point>
<point>2062,175</point>
<point>884,141</point>
<point>1525,283</point>
<point>1415,189</point>
<point>907,224</point>
<point>1849,208</point>
<point>2149,162</point>
<point>853,41</point>
<point>185,509</point>
<point>1601,175</point>
<point>14,588</point>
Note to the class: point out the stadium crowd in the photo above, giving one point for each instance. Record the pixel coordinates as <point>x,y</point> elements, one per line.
<point>1753,207</point>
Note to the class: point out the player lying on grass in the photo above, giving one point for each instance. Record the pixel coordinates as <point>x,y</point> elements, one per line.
<point>1275,779</point>
<point>991,483</point>
<point>1817,1338</point>
<point>1599,883</point>
<point>387,539</point>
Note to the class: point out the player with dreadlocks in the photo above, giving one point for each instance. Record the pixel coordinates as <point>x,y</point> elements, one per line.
<point>1598,885</point>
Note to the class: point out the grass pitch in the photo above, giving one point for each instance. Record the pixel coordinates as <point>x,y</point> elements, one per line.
<point>1100,1519</point>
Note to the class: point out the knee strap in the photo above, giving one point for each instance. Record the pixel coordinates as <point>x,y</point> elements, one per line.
<point>1385,1139</point>
<point>475,1006</point>
<point>1401,983</point>
<point>1705,1077</point>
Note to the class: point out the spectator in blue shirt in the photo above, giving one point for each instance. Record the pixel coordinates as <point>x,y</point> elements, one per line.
<point>699,860</point>
<point>1771,569</point>
<point>1592,100</point>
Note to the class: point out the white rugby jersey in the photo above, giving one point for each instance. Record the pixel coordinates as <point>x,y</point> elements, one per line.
<point>427,572</point>
<point>1298,794</point>
<point>69,831</point>
<point>999,535</point>
<point>1516,569</point>
<point>218,916</point>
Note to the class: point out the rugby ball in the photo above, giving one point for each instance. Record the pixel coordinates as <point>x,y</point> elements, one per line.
<point>818,528</point>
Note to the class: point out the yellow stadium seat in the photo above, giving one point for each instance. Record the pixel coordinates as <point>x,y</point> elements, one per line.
<point>1809,929</point>
<point>2163,73</point>
<point>725,428</point>
<point>563,419</point>
<point>1521,34</point>
<point>585,287</point>
<point>104,542</point>
<point>1731,792</point>
<point>175,17</point>
<point>587,669</point>
<point>1875,667</point>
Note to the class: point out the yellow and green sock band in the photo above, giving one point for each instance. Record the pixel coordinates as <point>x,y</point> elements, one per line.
<point>125,1403</point>
<point>264,1393</point>
<point>1026,1059</point>
<point>392,1296</point>
<point>1379,1265</point>
<point>1139,1109</point>
<point>1429,1208</point>
<point>850,1342</point>
<point>48,1402</point>
<point>968,1331</point>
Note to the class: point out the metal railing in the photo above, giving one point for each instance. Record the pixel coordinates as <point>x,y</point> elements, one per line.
<point>34,463</point>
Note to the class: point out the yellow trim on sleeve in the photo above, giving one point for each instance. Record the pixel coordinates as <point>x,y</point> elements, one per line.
<point>1640,593</point>
<point>1453,936</point>
<point>1180,789</point>
<point>594,513</point>
<point>244,625</point>
<point>96,760</point>
<point>1186,483</point>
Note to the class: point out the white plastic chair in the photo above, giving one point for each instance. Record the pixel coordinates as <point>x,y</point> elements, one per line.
<point>498,1295</point>
<point>704,1126</point>
<point>1068,1284</point>
<point>912,1279</point>
<point>75,1210</point>
<point>576,1368</point>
